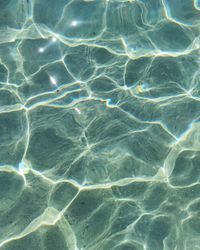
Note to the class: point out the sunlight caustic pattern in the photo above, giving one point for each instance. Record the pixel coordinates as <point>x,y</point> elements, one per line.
<point>99,125</point>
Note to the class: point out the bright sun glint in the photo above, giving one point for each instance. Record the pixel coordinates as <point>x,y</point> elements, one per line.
<point>74,23</point>
<point>53,80</point>
<point>41,50</point>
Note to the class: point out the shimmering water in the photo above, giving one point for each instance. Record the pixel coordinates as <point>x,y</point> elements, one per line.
<point>99,125</point>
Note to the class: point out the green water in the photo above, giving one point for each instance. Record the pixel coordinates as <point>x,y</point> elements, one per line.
<point>99,125</point>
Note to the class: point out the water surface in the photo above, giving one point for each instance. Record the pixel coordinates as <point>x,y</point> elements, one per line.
<point>99,125</point>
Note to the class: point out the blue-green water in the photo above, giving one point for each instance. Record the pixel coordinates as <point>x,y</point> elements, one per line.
<point>99,125</point>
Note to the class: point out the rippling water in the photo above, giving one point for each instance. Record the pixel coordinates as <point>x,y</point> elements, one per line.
<point>99,125</point>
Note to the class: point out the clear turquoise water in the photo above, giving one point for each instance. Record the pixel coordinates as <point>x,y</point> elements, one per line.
<point>99,125</point>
